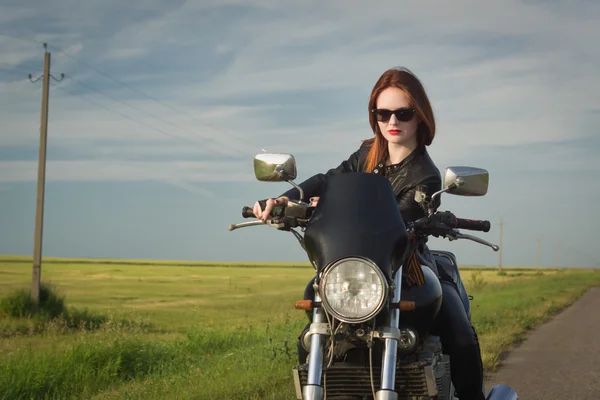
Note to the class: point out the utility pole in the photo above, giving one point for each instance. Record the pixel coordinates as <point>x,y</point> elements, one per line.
<point>571,259</point>
<point>500,252</point>
<point>539,244</point>
<point>39,211</point>
<point>558,264</point>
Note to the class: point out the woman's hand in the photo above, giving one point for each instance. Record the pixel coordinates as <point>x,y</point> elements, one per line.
<point>264,215</point>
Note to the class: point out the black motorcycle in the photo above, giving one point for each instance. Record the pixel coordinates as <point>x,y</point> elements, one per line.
<point>374,301</point>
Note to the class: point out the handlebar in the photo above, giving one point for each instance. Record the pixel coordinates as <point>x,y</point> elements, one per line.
<point>442,224</point>
<point>445,220</point>
<point>276,212</point>
<point>248,212</point>
<point>445,224</point>
<point>473,224</point>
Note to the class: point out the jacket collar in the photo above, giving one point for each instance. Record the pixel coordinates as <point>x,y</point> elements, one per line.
<point>415,154</point>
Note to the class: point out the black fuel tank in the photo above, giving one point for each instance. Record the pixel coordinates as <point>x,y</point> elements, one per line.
<point>428,299</point>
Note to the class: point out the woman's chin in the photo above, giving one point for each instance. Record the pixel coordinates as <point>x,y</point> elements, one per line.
<point>400,140</point>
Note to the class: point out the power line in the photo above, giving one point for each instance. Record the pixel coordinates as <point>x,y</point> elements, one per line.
<point>177,181</point>
<point>242,148</point>
<point>173,180</point>
<point>128,117</point>
<point>79,82</point>
<point>120,113</point>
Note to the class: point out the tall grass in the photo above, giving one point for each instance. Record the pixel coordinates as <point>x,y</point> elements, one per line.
<point>20,315</point>
<point>20,304</point>
<point>156,263</point>
<point>109,358</point>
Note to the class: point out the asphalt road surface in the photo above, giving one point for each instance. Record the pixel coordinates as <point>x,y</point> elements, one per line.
<point>560,359</point>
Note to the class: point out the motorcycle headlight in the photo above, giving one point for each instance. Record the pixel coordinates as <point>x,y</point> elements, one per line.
<point>353,290</point>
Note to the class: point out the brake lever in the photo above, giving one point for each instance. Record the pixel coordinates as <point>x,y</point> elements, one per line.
<point>294,211</point>
<point>269,222</point>
<point>457,235</point>
<point>233,227</point>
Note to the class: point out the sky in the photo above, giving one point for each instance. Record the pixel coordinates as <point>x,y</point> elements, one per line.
<point>164,104</point>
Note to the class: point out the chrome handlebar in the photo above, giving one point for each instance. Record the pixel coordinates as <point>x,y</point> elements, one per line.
<point>452,235</point>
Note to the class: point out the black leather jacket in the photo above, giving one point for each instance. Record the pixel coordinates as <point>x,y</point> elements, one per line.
<point>417,169</point>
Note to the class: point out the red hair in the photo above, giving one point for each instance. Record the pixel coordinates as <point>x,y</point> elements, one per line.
<point>405,80</point>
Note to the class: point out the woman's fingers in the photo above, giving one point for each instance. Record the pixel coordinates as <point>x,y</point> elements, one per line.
<point>257,210</point>
<point>269,205</point>
<point>267,211</point>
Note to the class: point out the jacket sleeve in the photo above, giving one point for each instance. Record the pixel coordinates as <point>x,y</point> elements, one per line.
<point>314,185</point>
<point>409,208</point>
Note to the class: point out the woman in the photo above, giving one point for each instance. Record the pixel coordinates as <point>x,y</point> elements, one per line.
<point>402,120</point>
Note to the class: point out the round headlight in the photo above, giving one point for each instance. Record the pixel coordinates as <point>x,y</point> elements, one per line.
<point>353,290</point>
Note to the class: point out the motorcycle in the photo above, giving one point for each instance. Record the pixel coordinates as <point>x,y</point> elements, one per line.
<point>374,303</point>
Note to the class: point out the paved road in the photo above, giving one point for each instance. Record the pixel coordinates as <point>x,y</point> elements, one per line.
<point>559,360</point>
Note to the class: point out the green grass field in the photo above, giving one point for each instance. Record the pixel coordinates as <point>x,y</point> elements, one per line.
<point>212,330</point>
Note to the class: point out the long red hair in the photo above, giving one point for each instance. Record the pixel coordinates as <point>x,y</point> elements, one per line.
<point>405,80</point>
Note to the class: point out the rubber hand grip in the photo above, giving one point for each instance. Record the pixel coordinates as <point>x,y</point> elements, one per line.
<point>248,212</point>
<point>473,224</point>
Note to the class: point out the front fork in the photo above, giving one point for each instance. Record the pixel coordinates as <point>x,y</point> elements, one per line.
<point>391,334</point>
<point>318,329</point>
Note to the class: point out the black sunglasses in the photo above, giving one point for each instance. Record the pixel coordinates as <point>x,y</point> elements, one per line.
<point>402,114</point>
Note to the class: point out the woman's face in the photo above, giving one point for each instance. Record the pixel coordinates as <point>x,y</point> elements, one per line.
<point>394,130</point>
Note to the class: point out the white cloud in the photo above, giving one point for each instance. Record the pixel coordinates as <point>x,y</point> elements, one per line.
<point>10,14</point>
<point>123,171</point>
<point>491,83</point>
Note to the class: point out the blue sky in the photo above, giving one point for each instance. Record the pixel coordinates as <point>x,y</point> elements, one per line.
<point>164,104</point>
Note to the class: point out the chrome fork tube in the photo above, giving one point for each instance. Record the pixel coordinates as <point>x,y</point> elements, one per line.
<point>391,337</point>
<point>313,389</point>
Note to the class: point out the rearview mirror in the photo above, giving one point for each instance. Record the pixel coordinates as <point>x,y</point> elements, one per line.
<point>466,181</point>
<point>274,167</point>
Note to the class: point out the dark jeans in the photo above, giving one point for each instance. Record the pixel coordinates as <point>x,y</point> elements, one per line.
<point>460,342</point>
<point>458,338</point>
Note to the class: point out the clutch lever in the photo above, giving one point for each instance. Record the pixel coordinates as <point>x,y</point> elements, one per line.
<point>270,222</point>
<point>233,227</point>
<point>457,235</point>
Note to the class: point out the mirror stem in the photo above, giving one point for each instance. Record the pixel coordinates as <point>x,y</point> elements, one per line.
<point>433,197</point>
<point>299,189</point>
<point>459,182</point>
